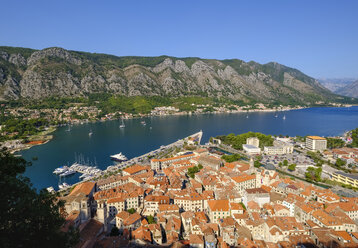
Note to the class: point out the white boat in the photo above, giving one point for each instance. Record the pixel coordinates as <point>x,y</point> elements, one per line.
<point>66,185</point>
<point>63,186</point>
<point>143,123</point>
<point>284,117</point>
<point>60,170</point>
<point>83,175</point>
<point>90,133</point>
<point>67,173</point>
<point>119,157</point>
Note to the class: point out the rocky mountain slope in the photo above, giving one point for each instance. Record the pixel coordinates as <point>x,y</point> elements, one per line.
<point>28,73</point>
<point>349,90</point>
<point>333,84</point>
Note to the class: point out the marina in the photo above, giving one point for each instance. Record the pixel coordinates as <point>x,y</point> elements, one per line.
<point>135,139</point>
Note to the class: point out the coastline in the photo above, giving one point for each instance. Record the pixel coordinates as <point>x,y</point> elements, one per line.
<point>46,138</point>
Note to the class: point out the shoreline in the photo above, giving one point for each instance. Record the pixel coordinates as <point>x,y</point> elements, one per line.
<point>26,146</point>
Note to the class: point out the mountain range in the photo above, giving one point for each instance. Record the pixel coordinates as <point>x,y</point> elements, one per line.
<point>34,74</point>
<point>341,86</point>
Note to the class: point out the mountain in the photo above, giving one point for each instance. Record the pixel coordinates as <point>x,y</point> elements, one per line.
<point>349,90</point>
<point>341,86</point>
<point>34,74</point>
<point>333,84</point>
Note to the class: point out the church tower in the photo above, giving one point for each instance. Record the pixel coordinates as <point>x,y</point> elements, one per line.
<point>102,213</point>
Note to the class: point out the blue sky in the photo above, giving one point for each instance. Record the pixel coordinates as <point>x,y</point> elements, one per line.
<point>319,38</point>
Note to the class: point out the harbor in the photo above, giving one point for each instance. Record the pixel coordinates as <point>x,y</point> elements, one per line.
<point>90,172</point>
<point>135,140</point>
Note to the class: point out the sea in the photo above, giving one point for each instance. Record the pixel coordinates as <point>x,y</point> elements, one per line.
<point>74,143</point>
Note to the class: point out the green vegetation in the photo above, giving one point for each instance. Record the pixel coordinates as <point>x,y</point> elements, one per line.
<point>340,163</point>
<point>192,171</point>
<point>131,210</point>
<point>313,174</point>
<point>17,128</point>
<point>200,166</point>
<point>151,219</point>
<point>257,164</point>
<point>285,162</point>
<point>29,218</point>
<point>316,156</point>
<point>334,143</point>
<point>231,158</point>
<point>243,205</point>
<point>354,138</point>
<point>236,141</point>
<point>292,167</point>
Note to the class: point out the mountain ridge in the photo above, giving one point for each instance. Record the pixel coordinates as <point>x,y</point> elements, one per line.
<point>34,74</point>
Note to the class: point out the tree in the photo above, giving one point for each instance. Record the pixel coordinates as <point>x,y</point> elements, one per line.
<point>280,164</point>
<point>131,211</point>
<point>151,219</point>
<point>334,143</point>
<point>231,158</point>
<point>292,167</point>
<point>313,173</point>
<point>257,164</point>
<point>200,166</point>
<point>28,218</point>
<point>192,171</point>
<point>285,162</point>
<point>340,162</point>
<point>114,231</point>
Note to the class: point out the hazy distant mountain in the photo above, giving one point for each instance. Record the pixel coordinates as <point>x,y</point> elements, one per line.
<point>341,86</point>
<point>29,73</point>
<point>349,90</point>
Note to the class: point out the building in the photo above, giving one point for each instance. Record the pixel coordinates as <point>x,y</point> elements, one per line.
<point>251,149</point>
<point>316,143</point>
<point>253,141</point>
<point>258,195</point>
<point>218,209</point>
<point>278,148</point>
<point>80,199</point>
<point>341,177</point>
<point>159,164</point>
<point>244,181</point>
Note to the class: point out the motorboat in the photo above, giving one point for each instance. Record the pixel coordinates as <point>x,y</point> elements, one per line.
<point>118,157</point>
<point>67,173</point>
<point>60,170</point>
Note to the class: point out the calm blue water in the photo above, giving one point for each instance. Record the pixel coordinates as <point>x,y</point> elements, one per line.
<point>135,139</point>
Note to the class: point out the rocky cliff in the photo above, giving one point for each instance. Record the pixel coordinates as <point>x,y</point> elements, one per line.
<point>27,73</point>
<point>349,90</point>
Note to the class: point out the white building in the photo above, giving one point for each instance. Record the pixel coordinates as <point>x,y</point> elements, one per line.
<point>316,143</point>
<point>253,141</point>
<point>258,195</point>
<point>251,149</point>
<point>279,148</point>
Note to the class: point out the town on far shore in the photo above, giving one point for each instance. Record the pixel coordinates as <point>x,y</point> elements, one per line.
<point>25,126</point>
<point>247,190</point>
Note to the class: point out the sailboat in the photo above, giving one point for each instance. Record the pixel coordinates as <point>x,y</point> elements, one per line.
<point>69,128</point>
<point>122,125</point>
<point>284,117</point>
<point>247,114</point>
<point>90,133</point>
